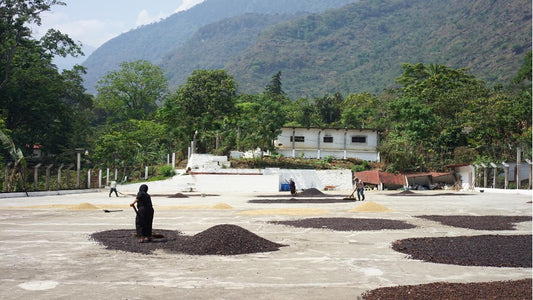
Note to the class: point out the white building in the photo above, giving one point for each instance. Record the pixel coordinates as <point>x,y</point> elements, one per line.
<point>339,143</point>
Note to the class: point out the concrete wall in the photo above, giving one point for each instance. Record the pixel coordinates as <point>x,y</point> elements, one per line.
<point>265,181</point>
<point>236,183</point>
<point>319,179</point>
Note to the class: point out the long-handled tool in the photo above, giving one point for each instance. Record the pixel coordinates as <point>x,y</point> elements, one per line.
<point>351,197</point>
<point>109,211</point>
<point>135,209</point>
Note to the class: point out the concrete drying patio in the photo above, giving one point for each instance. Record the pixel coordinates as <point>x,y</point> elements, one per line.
<point>46,250</point>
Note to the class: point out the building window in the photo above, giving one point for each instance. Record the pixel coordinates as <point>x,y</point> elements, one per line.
<point>328,139</point>
<point>298,139</point>
<point>359,139</point>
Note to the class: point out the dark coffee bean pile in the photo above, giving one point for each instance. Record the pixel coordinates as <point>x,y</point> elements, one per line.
<point>516,289</point>
<point>411,193</point>
<point>347,224</point>
<point>312,192</point>
<point>479,222</point>
<point>301,200</point>
<point>226,240</point>
<point>482,250</point>
<point>218,240</point>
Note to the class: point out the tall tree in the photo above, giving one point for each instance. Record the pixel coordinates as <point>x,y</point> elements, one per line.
<point>274,87</point>
<point>203,105</point>
<point>131,143</point>
<point>16,17</point>
<point>132,92</point>
<point>259,122</point>
<point>36,101</point>
<point>302,112</point>
<point>329,109</point>
<point>359,110</point>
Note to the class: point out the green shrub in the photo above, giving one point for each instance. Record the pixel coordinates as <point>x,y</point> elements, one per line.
<point>166,171</point>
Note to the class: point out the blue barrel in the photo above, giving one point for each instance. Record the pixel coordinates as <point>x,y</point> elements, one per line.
<point>285,187</point>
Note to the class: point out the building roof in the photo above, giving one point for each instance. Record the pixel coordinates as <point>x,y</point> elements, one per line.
<point>426,174</point>
<point>332,128</point>
<point>377,177</point>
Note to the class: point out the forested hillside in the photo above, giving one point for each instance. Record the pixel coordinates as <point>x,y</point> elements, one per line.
<point>360,47</point>
<point>152,42</point>
<point>213,45</point>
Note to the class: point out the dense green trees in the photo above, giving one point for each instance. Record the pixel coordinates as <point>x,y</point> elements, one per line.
<point>132,92</point>
<point>436,115</point>
<point>40,106</point>
<point>201,108</point>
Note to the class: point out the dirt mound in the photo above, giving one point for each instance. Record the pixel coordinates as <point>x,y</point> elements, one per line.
<point>222,206</point>
<point>312,192</point>
<point>285,211</point>
<point>516,289</point>
<point>347,224</point>
<point>406,192</point>
<point>217,240</point>
<point>513,251</point>
<point>178,195</point>
<point>84,206</point>
<point>300,200</point>
<point>479,222</point>
<point>370,206</point>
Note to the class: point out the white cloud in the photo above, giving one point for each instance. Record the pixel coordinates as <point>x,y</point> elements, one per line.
<point>144,17</point>
<point>186,4</point>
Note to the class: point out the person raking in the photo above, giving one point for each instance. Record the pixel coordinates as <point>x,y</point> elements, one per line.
<point>113,188</point>
<point>145,214</point>
<point>360,186</point>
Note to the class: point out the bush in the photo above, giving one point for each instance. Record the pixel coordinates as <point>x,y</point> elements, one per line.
<point>166,171</point>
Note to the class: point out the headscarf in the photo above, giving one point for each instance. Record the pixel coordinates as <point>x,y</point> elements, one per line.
<point>143,188</point>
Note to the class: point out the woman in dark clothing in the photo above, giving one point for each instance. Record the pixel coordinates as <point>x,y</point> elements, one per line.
<point>145,214</point>
<point>292,186</point>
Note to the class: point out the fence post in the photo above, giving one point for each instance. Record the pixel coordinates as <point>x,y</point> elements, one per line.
<point>6,176</point>
<point>506,174</point>
<point>518,162</point>
<point>99,178</point>
<point>59,176</point>
<point>485,175</point>
<point>36,176</point>
<point>530,173</point>
<point>494,174</point>
<point>48,177</point>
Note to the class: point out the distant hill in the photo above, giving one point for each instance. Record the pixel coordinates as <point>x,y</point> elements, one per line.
<point>214,45</point>
<point>152,42</point>
<point>361,46</point>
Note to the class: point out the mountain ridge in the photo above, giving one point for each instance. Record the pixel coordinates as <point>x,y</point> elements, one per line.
<point>151,42</point>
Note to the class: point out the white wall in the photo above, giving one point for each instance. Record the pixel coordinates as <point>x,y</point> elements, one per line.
<point>319,179</point>
<point>466,175</point>
<point>269,181</point>
<point>235,183</point>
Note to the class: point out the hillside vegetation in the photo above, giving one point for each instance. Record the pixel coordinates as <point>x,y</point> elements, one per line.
<point>360,47</point>
<point>213,45</point>
<point>151,42</point>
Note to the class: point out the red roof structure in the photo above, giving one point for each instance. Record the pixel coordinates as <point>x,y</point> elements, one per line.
<point>385,179</point>
<point>392,181</point>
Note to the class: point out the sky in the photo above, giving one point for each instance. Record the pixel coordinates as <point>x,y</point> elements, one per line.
<point>93,22</point>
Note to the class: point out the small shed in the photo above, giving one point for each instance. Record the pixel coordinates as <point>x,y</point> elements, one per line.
<point>382,180</point>
<point>430,180</point>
